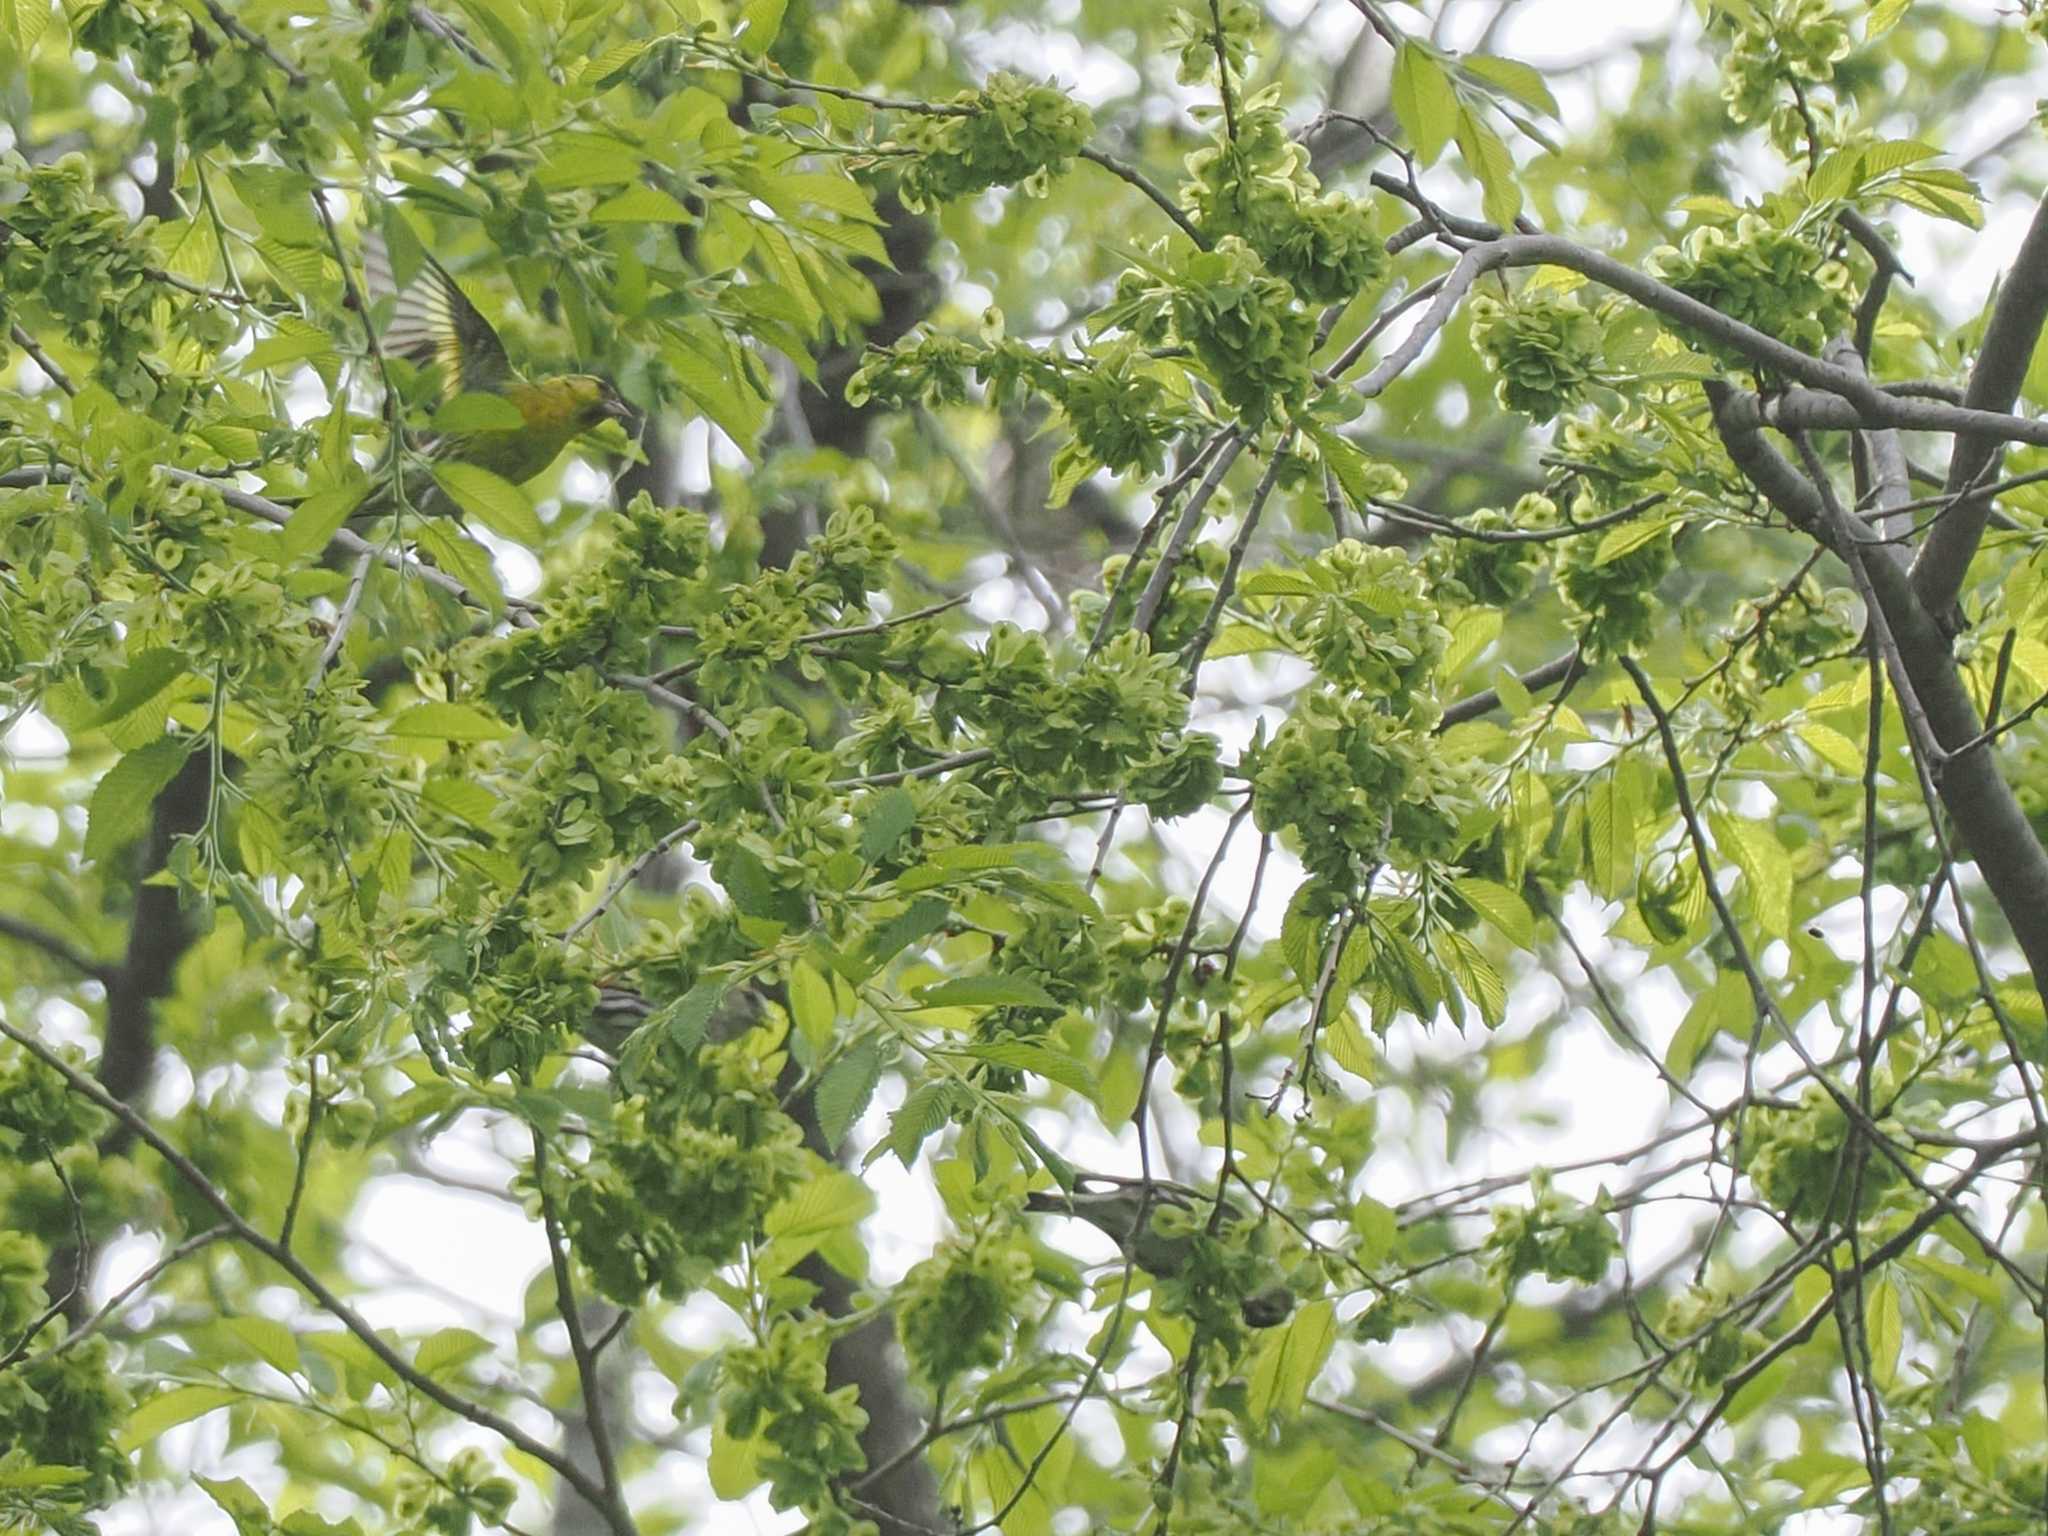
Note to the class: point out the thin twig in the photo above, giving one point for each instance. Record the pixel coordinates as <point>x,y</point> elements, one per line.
<point>1146,185</point>
<point>579,1344</point>
<point>628,875</point>
<point>42,359</point>
<point>87,1088</point>
<point>106,972</point>
<point>358,579</point>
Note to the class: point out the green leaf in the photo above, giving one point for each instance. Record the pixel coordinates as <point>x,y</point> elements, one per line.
<point>1973,1283</point>
<point>1882,159</point>
<point>493,501</point>
<point>833,191</point>
<point>1344,1038</point>
<point>577,159</point>
<point>1057,1066</point>
<point>1276,582</point>
<point>449,1350</point>
<point>1832,747</point>
<point>1300,936</point>
<point>508,27</point>
<point>842,1094</point>
<point>1835,175</point>
<point>2035,387</point>
<point>817,1208</point>
<point>920,919</point>
<point>1425,101</point>
<point>1353,961</point>
<point>1626,538</point>
<point>295,342</point>
<point>1348,465</point>
<point>709,381</point>
<point>315,521</point>
<point>281,199</point>
<point>812,1006</point>
<point>22,24</point>
<point>685,1020</point>
<point>922,1113</point>
<point>1471,633</point>
<point>463,799</point>
<point>1514,78</point>
<point>300,268</point>
<point>1514,698</point>
<point>1765,865</point>
<point>241,1503</point>
<point>1289,1361</point>
<point>641,205</point>
<point>1501,907</point>
<point>1611,835</point>
<point>600,69</point>
<point>41,1476</point>
<point>760,24</point>
<point>448,722</point>
<point>1886,1330</point>
<point>981,857</point>
<point>733,1466</point>
<point>754,891</point>
<point>273,1343</point>
<point>986,992</point>
<point>1377,1229</point>
<point>1000,1470</point>
<point>1242,640</point>
<point>1487,158</point>
<point>893,813</point>
<point>364,1369</point>
<point>146,675</point>
<point>1289,1481</point>
<point>461,557</point>
<point>167,1410</point>
<point>122,799</point>
<point>1476,976</point>
<point>1714,1010</point>
<point>1945,194</point>
<point>1984,1440</point>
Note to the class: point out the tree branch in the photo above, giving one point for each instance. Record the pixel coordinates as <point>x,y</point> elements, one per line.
<point>139,1128</point>
<point>344,539</point>
<point>1847,400</point>
<point>620,1517</point>
<point>1986,812</point>
<point>1994,384</point>
<point>60,949</point>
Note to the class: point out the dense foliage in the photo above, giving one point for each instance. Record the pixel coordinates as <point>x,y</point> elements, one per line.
<point>1289,782</point>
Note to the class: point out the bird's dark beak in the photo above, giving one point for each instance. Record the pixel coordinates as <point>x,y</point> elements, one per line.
<point>617,408</point>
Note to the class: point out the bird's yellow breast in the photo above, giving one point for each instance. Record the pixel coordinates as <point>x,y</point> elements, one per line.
<point>552,412</point>
<point>554,405</point>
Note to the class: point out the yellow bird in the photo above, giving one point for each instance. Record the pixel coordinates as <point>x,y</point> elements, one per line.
<point>433,323</point>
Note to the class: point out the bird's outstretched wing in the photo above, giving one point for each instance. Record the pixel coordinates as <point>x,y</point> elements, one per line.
<point>433,322</point>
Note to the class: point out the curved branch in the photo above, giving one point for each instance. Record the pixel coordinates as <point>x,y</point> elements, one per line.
<point>59,949</point>
<point>1566,669</point>
<point>1975,793</point>
<point>1552,250</point>
<point>2002,361</point>
<point>1845,400</point>
<point>1803,410</point>
<point>1146,185</point>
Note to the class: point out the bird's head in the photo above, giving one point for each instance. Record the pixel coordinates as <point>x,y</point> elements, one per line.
<point>595,401</point>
